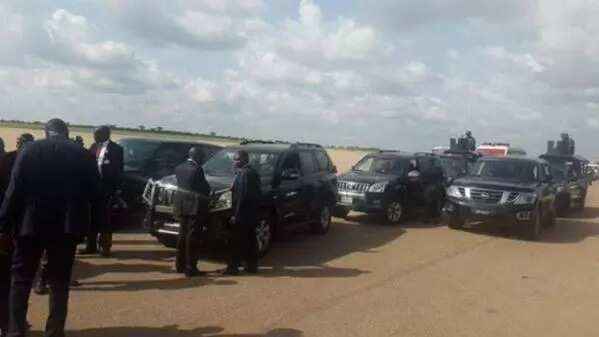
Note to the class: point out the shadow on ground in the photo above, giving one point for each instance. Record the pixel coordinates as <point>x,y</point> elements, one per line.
<point>566,231</point>
<point>170,331</point>
<point>410,221</point>
<point>587,213</point>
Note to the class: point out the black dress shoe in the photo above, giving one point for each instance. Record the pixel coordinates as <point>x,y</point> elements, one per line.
<point>194,273</point>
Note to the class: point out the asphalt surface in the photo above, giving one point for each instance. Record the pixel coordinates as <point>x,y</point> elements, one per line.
<point>361,279</point>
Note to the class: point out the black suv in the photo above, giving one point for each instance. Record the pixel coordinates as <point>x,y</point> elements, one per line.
<point>298,187</point>
<point>511,190</point>
<point>151,158</point>
<point>391,183</point>
<point>571,181</point>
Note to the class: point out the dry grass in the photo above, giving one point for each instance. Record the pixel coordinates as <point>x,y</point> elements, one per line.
<point>343,159</point>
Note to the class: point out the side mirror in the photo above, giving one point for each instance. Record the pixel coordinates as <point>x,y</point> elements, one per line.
<point>290,174</point>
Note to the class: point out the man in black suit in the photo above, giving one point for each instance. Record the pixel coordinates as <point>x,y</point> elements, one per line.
<point>48,207</point>
<point>109,158</point>
<point>246,201</point>
<point>6,165</point>
<point>191,209</point>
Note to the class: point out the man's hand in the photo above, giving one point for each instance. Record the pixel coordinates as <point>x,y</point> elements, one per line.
<point>6,244</point>
<point>233,220</point>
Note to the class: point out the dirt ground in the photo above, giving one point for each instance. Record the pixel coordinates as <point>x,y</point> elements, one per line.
<point>361,279</point>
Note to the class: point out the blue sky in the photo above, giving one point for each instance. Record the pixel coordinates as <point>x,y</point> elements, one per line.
<point>390,73</point>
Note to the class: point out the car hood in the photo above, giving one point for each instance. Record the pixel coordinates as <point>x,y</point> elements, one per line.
<point>217,183</point>
<point>495,184</point>
<point>368,178</point>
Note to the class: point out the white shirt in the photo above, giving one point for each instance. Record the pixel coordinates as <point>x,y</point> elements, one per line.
<point>102,154</point>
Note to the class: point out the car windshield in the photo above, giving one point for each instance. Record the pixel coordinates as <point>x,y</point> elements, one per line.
<point>516,170</point>
<point>221,164</point>
<point>137,152</point>
<point>455,166</point>
<point>382,165</point>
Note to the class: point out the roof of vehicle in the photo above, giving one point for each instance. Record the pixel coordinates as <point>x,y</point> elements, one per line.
<point>563,157</point>
<point>273,146</point>
<point>514,158</point>
<point>166,141</point>
<point>400,154</point>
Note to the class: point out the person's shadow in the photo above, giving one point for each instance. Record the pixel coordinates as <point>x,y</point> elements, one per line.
<point>170,331</point>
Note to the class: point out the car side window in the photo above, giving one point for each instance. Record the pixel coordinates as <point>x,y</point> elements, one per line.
<point>166,159</point>
<point>324,163</point>
<point>307,162</point>
<point>292,162</point>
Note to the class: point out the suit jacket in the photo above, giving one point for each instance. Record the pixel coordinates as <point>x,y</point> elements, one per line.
<point>112,167</point>
<point>7,162</point>
<point>52,189</point>
<point>246,195</point>
<point>194,190</point>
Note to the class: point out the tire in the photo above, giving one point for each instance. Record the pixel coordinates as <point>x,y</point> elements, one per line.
<point>455,222</point>
<point>340,212</point>
<point>323,223</point>
<point>265,232</point>
<point>394,212</point>
<point>534,228</point>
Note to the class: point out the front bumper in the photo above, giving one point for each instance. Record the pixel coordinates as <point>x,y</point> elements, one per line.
<point>361,202</point>
<point>476,212</point>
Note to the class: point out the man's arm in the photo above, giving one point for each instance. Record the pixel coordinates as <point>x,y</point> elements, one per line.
<point>99,222</point>
<point>13,198</point>
<point>240,190</point>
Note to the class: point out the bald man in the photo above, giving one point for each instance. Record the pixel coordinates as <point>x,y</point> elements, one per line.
<point>191,209</point>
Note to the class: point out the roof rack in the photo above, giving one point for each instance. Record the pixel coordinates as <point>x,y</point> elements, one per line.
<point>306,145</point>
<point>278,142</point>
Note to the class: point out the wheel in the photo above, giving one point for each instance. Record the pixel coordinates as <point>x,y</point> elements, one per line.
<point>340,212</point>
<point>265,234</point>
<point>323,222</point>
<point>394,212</point>
<point>534,228</point>
<point>455,222</point>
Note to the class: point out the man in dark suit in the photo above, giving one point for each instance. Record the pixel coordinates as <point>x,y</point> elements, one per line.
<point>246,201</point>
<point>6,165</point>
<point>191,209</point>
<point>48,207</point>
<point>109,158</point>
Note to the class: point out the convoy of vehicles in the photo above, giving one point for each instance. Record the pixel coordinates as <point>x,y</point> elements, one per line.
<point>299,187</point>
<point>511,189</point>
<point>391,184</point>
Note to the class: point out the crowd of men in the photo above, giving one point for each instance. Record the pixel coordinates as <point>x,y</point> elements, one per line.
<point>55,194</point>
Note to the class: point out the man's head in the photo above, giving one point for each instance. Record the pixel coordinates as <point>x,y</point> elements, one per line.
<point>57,128</point>
<point>468,133</point>
<point>102,134</point>
<point>79,140</point>
<point>240,159</point>
<point>196,154</point>
<point>24,139</point>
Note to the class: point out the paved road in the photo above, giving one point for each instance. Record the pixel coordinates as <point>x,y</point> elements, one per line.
<point>361,279</point>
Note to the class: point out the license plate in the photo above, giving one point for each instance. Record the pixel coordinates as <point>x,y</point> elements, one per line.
<point>481,212</point>
<point>347,200</point>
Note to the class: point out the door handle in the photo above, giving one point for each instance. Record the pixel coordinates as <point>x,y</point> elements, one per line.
<point>291,194</point>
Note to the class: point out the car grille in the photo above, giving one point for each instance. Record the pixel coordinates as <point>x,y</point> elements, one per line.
<point>486,196</point>
<point>348,186</point>
<point>164,196</point>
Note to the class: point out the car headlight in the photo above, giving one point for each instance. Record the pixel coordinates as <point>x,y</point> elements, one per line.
<point>454,192</point>
<point>526,199</point>
<point>224,201</point>
<point>378,187</point>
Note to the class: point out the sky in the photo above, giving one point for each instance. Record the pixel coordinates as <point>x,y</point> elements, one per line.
<point>394,74</point>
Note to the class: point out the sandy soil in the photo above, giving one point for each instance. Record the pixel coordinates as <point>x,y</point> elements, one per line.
<point>361,279</point>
